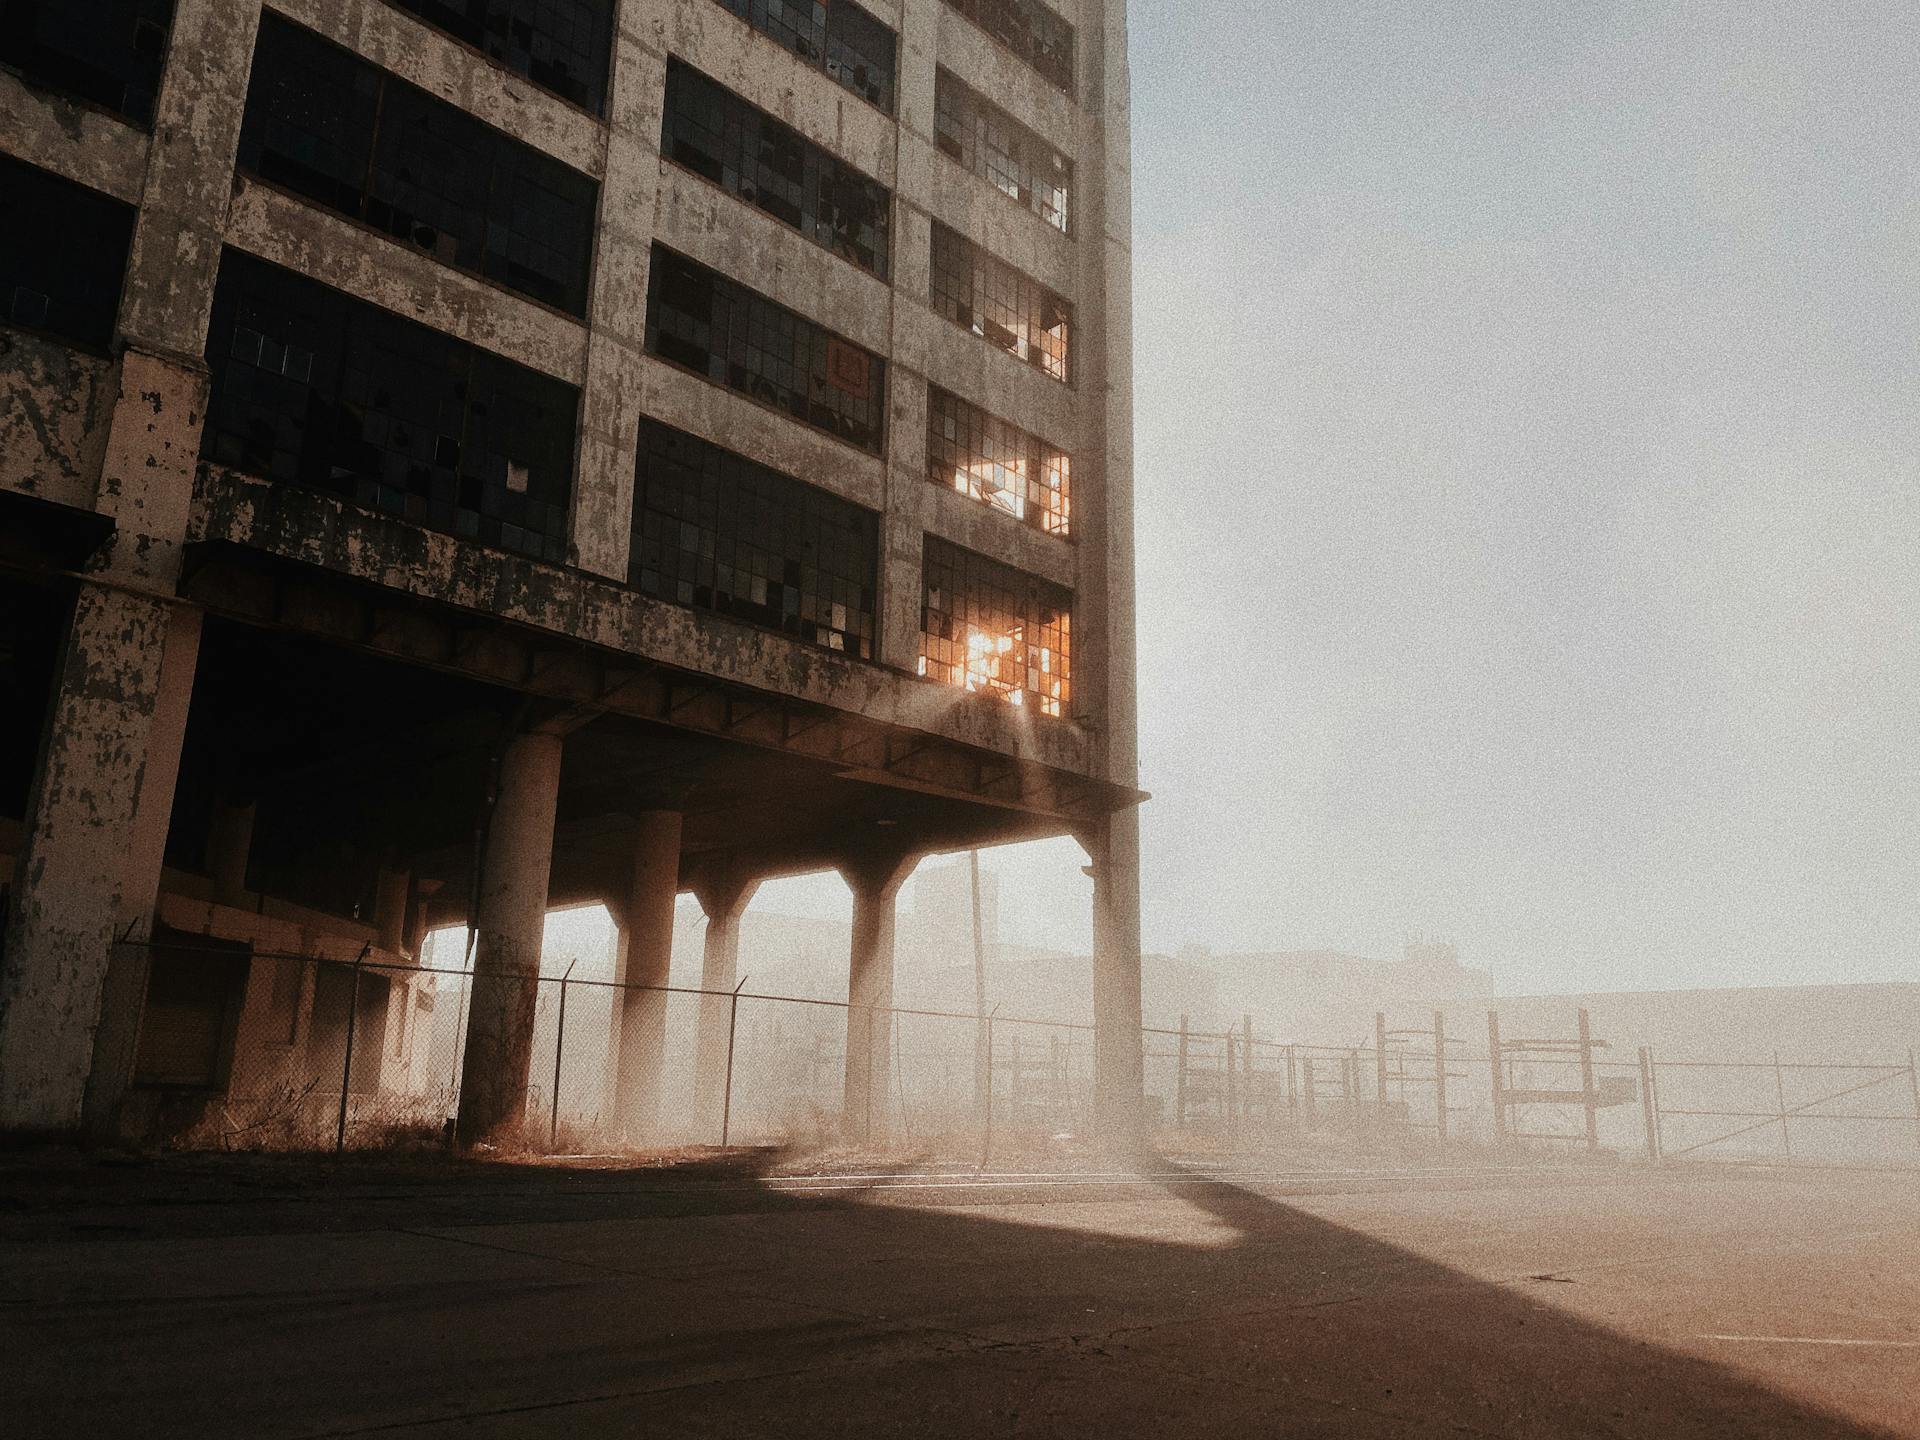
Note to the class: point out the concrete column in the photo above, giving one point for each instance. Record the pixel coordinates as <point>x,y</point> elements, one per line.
<point>391,890</point>
<point>229,845</point>
<point>89,869</point>
<point>508,926</point>
<point>876,887</point>
<point>725,901</point>
<point>1113,846</point>
<point>611,405</point>
<point>647,937</point>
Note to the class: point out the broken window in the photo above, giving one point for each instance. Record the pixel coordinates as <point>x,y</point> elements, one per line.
<point>745,151</point>
<point>560,45</point>
<point>989,297</point>
<point>716,531</point>
<point>739,338</point>
<point>325,124</point>
<point>106,52</point>
<point>1001,151</point>
<point>312,387</point>
<point>985,458</point>
<point>63,255</point>
<point>1030,30</point>
<point>840,38</point>
<point>988,627</point>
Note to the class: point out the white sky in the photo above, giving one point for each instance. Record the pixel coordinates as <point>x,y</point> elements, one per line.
<point>1529,541</point>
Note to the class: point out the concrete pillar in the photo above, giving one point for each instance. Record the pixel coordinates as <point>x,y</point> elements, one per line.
<point>508,926</point>
<point>725,901</point>
<point>610,402</point>
<point>647,942</point>
<point>89,869</point>
<point>229,845</point>
<point>868,1094</point>
<point>392,888</point>
<point>1113,846</point>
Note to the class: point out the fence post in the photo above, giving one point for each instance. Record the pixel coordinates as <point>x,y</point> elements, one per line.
<point>1659,1120</point>
<point>559,1048</point>
<point>1380,1064</point>
<point>986,1119</point>
<point>1247,1099</point>
<point>346,1065</point>
<point>1180,1080</point>
<point>1293,1083</point>
<point>1589,1097</point>
<point>1440,1074</point>
<point>1780,1094</point>
<point>867,1065</point>
<point>1233,1097</point>
<point>1499,1094</point>
<point>1306,1086</point>
<point>1646,1104</point>
<point>1913,1083</point>
<point>726,1102</point>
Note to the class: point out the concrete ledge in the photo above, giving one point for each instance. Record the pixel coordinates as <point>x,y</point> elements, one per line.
<point>87,146</point>
<point>437,63</point>
<point>338,252</point>
<point>320,531</point>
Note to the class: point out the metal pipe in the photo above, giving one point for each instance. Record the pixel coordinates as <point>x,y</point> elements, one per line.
<point>726,1103</point>
<point>559,1047</point>
<point>346,1065</point>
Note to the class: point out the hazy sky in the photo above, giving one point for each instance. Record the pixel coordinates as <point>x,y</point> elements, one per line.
<point>1529,539</point>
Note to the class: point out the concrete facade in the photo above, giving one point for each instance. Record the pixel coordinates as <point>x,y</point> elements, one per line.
<point>377,725</point>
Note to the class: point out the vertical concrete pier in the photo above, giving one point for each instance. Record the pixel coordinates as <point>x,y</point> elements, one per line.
<point>876,890</point>
<point>647,935</point>
<point>508,928</point>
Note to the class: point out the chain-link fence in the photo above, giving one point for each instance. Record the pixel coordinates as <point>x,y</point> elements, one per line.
<point>244,1050</point>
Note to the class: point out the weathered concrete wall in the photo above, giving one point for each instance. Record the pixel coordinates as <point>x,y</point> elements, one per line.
<point>54,404</point>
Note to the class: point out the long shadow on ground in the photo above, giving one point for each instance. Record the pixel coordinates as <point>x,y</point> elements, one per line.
<point>284,1299</point>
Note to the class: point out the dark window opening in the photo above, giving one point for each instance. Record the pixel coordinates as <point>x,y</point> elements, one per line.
<point>1000,150</point>
<point>314,388</point>
<point>715,531</point>
<point>738,338</point>
<point>840,38</point>
<point>195,986</point>
<point>108,52</point>
<point>986,459</point>
<point>327,125</point>
<point>560,45</point>
<point>63,255</point>
<point>1030,30</point>
<point>990,628</point>
<point>984,294</point>
<point>747,152</point>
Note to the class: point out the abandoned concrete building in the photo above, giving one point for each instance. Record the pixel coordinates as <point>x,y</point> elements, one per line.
<point>460,458</point>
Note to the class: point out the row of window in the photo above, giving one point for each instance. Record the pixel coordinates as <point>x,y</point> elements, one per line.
<point>1001,151</point>
<point>737,337</point>
<point>560,45</point>
<point>715,531</point>
<point>749,154</point>
<point>1030,30</point>
<point>985,458</point>
<point>982,293</point>
<point>314,388</point>
<point>346,134</point>
<point>838,37</point>
<point>105,52</point>
<point>63,255</point>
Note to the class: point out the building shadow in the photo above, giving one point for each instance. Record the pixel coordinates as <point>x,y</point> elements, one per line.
<point>720,1298</point>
